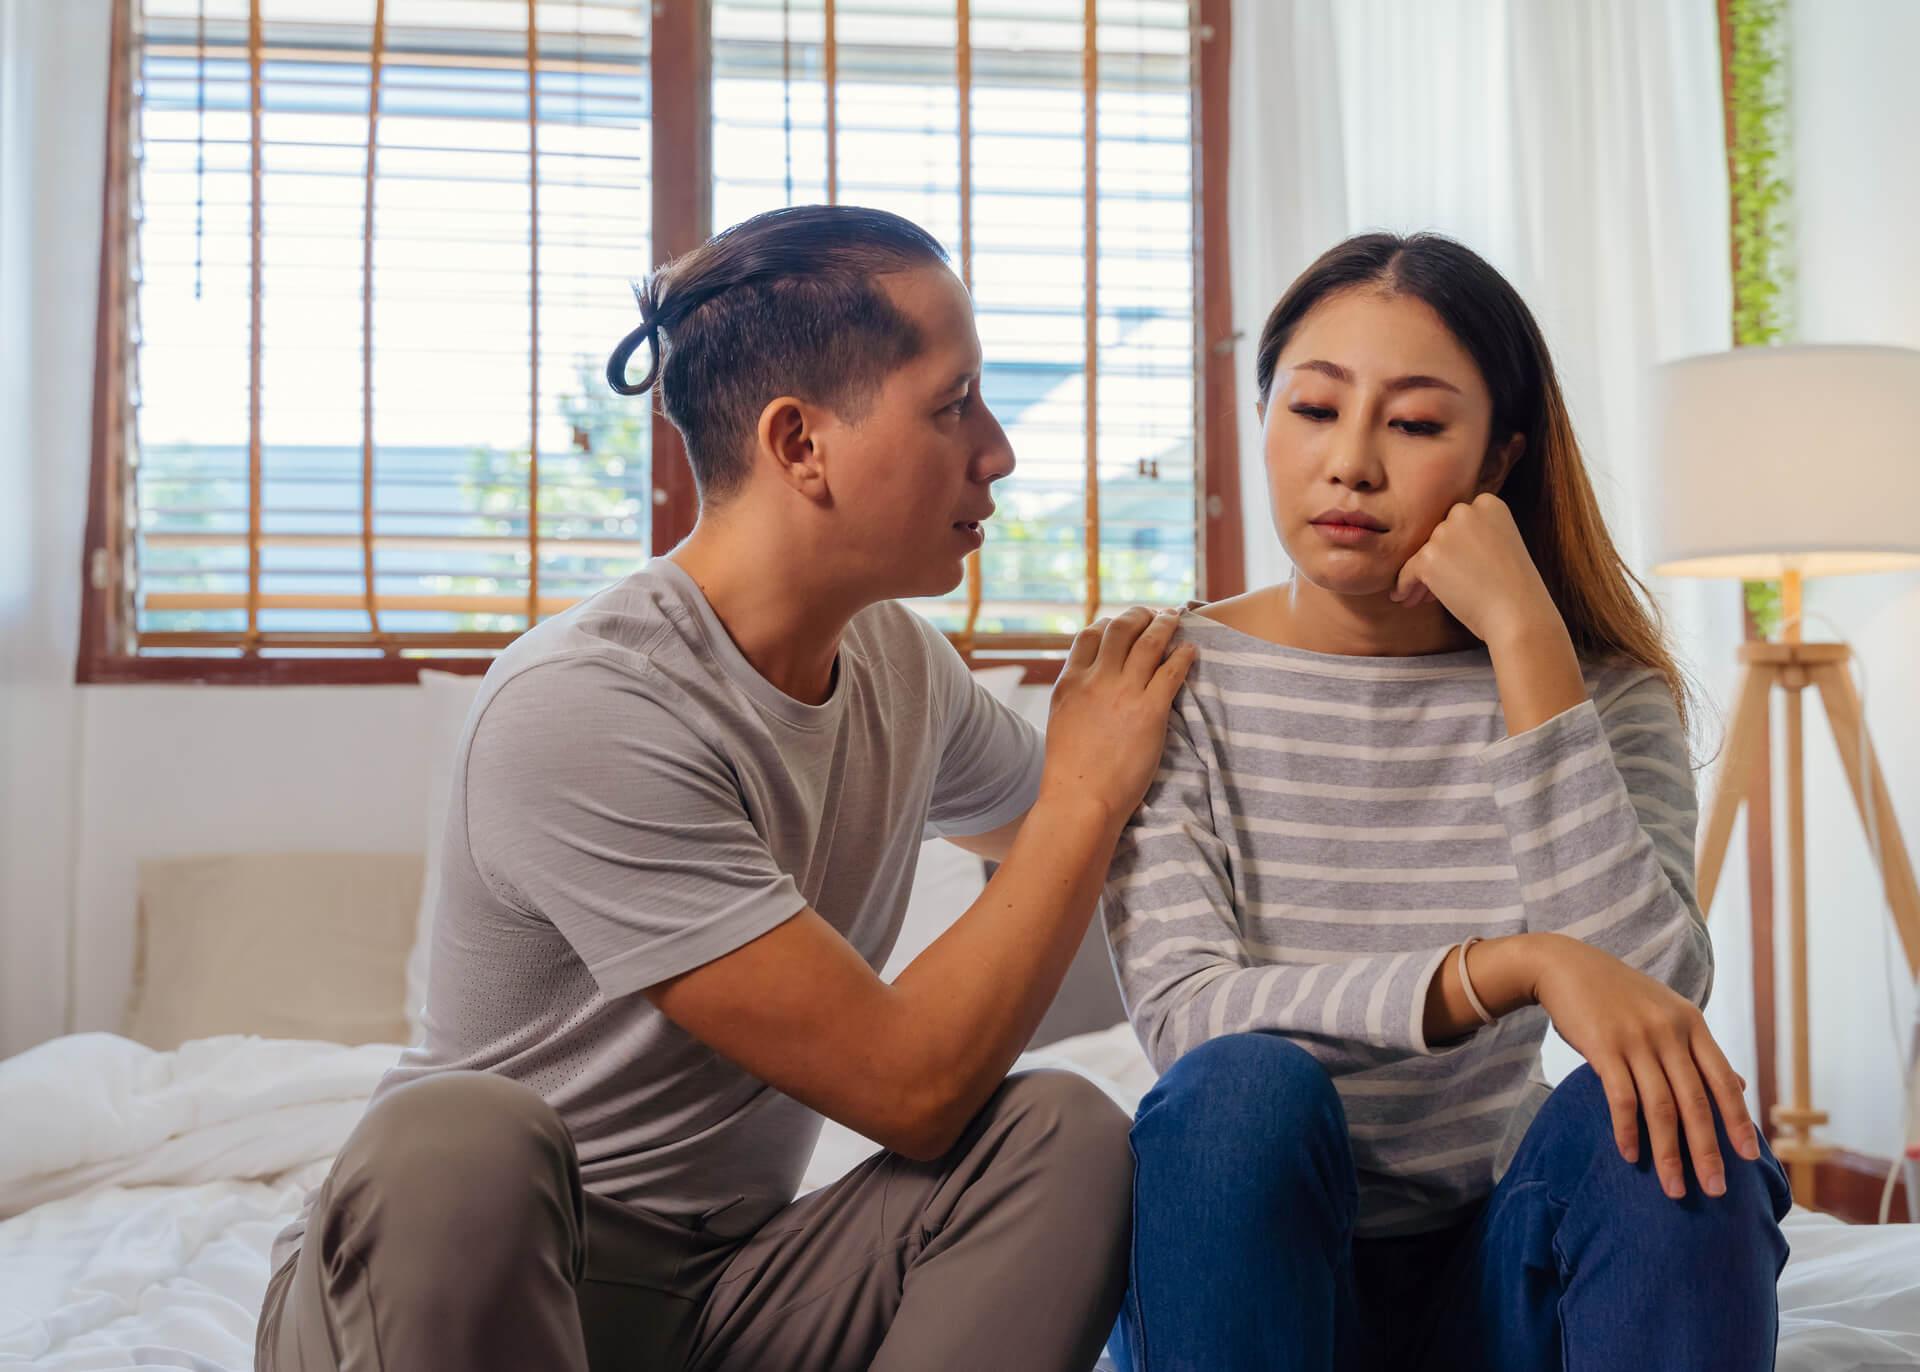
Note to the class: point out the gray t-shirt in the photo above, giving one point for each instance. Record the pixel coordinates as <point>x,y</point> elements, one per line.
<point>631,799</point>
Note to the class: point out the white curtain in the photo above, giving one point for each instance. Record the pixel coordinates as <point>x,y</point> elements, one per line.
<point>1578,145</point>
<point>53,83</point>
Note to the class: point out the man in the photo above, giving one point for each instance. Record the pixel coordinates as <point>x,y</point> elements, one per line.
<point>683,828</point>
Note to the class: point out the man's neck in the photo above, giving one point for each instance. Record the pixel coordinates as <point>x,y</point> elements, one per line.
<point>785,625</point>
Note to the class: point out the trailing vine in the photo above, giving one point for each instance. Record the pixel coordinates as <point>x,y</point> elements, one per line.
<point>1757,148</point>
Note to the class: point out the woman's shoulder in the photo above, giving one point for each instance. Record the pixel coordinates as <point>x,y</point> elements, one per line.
<point>1248,611</point>
<point>1615,682</point>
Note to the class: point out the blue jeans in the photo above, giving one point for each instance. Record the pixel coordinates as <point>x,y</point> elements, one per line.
<point>1245,1260</point>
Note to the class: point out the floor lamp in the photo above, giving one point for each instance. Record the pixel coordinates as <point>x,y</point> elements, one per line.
<point>1793,462</point>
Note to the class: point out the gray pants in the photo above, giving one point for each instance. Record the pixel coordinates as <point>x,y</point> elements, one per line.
<point>453,1233</point>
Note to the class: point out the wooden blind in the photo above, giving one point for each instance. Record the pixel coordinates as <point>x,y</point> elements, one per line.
<point>377,251</point>
<point>374,252</point>
<point>1049,144</point>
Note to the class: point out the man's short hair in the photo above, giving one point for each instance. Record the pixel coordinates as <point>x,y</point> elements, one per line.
<point>784,303</point>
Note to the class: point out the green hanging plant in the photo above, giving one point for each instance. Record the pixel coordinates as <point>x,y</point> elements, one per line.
<point>1757,141</point>
<point>1763,603</point>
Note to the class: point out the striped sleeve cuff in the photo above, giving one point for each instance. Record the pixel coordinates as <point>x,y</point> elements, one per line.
<point>1523,765</point>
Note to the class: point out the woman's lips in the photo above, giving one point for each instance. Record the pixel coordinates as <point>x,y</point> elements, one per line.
<point>1346,535</point>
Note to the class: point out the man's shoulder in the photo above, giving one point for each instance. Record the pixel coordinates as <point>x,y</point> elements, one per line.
<point>627,623</point>
<point>893,638</point>
<point>891,622</point>
<point>622,654</point>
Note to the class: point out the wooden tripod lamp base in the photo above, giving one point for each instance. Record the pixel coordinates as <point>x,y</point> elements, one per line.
<point>1793,667</point>
<point>1743,490</point>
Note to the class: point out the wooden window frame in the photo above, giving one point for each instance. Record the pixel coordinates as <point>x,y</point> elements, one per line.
<point>681,60</point>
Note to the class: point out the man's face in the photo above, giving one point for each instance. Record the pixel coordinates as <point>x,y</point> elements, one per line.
<point>909,480</point>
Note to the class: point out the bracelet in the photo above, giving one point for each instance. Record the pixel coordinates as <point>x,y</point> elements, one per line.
<point>1466,983</point>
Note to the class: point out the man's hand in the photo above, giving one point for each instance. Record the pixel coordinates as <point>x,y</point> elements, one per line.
<point>1107,724</point>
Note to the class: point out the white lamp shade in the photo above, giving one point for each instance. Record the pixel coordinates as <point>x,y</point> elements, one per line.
<point>1769,460</point>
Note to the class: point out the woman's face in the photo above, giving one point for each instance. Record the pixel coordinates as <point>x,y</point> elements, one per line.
<point>1376,425</point>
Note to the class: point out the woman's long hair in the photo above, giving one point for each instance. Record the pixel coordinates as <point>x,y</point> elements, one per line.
<point>1608,611</point>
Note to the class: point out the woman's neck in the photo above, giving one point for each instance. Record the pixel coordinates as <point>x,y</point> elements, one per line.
<point>1298,614</point>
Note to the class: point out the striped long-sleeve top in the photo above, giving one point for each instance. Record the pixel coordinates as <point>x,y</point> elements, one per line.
<point>1324,828</point>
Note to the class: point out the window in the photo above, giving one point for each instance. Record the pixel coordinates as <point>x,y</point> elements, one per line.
<point>367,260</point>
<point>374,279</point>
<point>1064,190</point>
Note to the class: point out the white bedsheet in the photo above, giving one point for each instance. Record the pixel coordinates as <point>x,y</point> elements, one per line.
<point>162,1179</point>
<point>96,1110</point>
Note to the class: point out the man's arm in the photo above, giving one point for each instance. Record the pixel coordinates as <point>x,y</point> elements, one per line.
<point>909,1064</point>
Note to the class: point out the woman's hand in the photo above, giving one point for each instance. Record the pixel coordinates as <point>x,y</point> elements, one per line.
<point>1654,1057</point>
<point>1476,564</point>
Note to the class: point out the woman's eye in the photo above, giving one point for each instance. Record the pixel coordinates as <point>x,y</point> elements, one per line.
<point>1419,428</point>
<point>1317,413</point>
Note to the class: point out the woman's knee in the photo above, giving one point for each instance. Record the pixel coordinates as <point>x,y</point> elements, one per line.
<point>1255,1104</point>
<point>1574,1135</point>
<point>1577,1110</point>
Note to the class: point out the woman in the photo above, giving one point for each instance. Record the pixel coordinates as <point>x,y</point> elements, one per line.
<point>1415,800</point>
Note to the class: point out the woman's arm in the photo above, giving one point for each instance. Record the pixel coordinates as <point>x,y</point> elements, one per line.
<point>1597,797</point>
<point>1599,806</point>
<point>1600,813</point>
<point>1185,972</point>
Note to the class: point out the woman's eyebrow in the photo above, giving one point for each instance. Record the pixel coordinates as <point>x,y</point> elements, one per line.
<point>1416,382</point>
<point>1420,383</point>
<point>1325,368</point>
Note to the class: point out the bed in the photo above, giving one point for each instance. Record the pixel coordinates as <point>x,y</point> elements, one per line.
<point>143,1189</point>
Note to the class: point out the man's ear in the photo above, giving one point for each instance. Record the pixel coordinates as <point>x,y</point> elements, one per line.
<point>1500,462</point>
<point>787,441</point>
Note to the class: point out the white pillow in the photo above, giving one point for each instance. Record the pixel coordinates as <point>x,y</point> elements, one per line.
<point>283,945</point>
<point>446,698</point>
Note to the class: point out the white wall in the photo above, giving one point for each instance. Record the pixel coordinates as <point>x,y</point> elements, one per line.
<point>53,80</point>
<point>175,771</point>
<point>1856,125</point>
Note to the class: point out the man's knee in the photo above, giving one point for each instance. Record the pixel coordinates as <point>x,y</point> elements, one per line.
<point>1079,1141</point>
<point>1081,1128</point>
<point>458,1152</point>
<point>452,1221</point>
